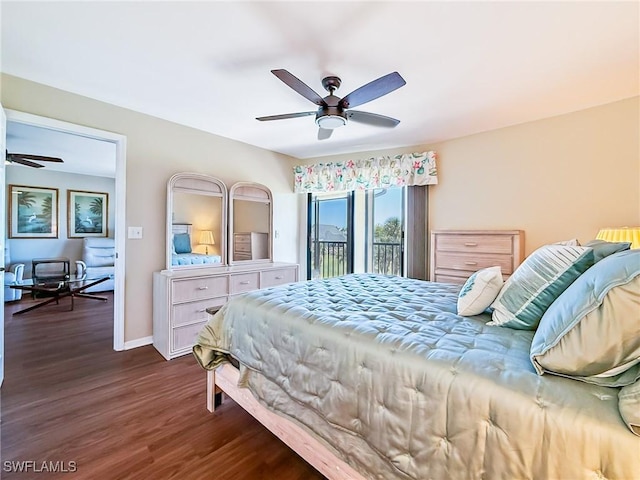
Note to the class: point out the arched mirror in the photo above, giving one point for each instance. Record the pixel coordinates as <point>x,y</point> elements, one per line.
<point>196,221</point>
<point>250,223</point>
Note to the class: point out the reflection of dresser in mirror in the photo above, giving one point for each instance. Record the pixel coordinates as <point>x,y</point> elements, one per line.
<point>250,245</point>
<point>250,221</point>
<point>201,275</point>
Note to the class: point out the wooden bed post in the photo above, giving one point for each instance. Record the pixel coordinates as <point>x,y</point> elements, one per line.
<point>211,390</point>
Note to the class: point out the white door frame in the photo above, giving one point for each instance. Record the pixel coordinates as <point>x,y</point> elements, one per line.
<point>120,142</point>
<point>3,236</point>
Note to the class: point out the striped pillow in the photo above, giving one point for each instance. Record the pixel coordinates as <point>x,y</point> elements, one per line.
<point>536,283</point>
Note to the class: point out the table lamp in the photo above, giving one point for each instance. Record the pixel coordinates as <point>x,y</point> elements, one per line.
<point>206,239</point>
<point>621,234</point>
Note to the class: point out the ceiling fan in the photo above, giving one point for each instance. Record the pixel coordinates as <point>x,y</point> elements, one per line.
<point>333,111</point>
<point>25,159</point>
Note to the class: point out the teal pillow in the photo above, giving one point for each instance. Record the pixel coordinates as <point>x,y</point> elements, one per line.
<point>536,283</point>
<point>182,243</point>
<point>592,331</point>
<point>602,248</point>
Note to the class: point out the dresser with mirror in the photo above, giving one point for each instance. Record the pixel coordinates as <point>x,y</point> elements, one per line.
<point>219,243</point>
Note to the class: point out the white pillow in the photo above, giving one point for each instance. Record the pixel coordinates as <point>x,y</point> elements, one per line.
<point>479,291</point>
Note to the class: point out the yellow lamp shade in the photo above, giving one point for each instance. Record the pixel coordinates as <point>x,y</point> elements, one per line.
<point>206,239</point>
<point>621,234</point>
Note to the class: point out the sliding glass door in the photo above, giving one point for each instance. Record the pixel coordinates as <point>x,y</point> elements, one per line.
<point>330,234</point>
<point>385,225</point>
<point>360,231</point>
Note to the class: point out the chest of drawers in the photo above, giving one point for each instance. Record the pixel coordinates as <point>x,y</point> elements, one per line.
<point>181,299</point>
<point>456,254</point>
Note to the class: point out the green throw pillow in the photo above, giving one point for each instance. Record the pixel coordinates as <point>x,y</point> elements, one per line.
<point>536,283</point>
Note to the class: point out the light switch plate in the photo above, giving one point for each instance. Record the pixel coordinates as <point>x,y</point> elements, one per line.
<point>135,232</point>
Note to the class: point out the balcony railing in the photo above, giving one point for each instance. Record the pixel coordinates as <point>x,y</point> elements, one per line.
<point>329,259</point>
<point>387,258</point>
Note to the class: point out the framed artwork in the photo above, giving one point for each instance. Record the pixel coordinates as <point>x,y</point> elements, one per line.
<point>87,214</point>
<point>33,212</point>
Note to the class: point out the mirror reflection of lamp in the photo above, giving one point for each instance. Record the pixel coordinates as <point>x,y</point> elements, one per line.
<point>206,239</point>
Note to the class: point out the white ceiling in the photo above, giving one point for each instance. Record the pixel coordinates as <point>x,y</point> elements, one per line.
<point>469,66</point>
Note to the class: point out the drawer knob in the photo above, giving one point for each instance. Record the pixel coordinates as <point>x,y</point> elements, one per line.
<point>246,282</point>
<point>470,244</point>
<point>279,277</point>
<point>470,263</point>
<point>203,288</point>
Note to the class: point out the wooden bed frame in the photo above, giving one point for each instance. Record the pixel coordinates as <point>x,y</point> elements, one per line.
<point>225,380</point>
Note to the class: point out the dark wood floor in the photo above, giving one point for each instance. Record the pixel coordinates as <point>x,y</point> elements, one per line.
<point>68,397</point>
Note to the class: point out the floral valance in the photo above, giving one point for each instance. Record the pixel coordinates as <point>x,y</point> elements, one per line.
<point>381,172</point>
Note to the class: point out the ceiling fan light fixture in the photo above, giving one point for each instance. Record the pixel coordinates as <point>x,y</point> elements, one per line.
<point>329,122</point>
<point>333,111</point>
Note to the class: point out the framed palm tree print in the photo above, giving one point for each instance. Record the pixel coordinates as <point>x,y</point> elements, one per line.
<point>33,212</point>
<point>87,214</point>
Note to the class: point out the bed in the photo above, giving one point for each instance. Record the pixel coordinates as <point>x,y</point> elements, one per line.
<point>182,254</point>
<point>370,376</point>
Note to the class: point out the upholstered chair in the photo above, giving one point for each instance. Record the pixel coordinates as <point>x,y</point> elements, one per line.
<point>98,259</point>
<point>12,275</point>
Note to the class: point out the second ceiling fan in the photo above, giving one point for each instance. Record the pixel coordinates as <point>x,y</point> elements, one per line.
<point>333,111</point>
<point>28,160</point>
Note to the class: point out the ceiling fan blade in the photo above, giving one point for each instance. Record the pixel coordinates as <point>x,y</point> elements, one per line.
<point>373,90</point>
<point>372,119</point>
<point>324,133</point>
<point>40,158</point>
<point>22,161</point>
<point>285,116</point>
<point>299,86</point>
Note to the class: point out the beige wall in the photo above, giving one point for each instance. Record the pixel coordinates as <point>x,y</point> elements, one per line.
<point>156,149</point>
<point>558,178</point>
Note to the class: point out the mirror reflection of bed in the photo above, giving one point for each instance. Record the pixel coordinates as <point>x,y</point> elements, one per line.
<point>184,247</point>
<point>196,216</point>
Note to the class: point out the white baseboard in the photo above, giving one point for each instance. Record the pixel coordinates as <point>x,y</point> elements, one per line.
<point>140,342</point>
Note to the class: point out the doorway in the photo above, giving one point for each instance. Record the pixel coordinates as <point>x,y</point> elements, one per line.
<point>119,142</point>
